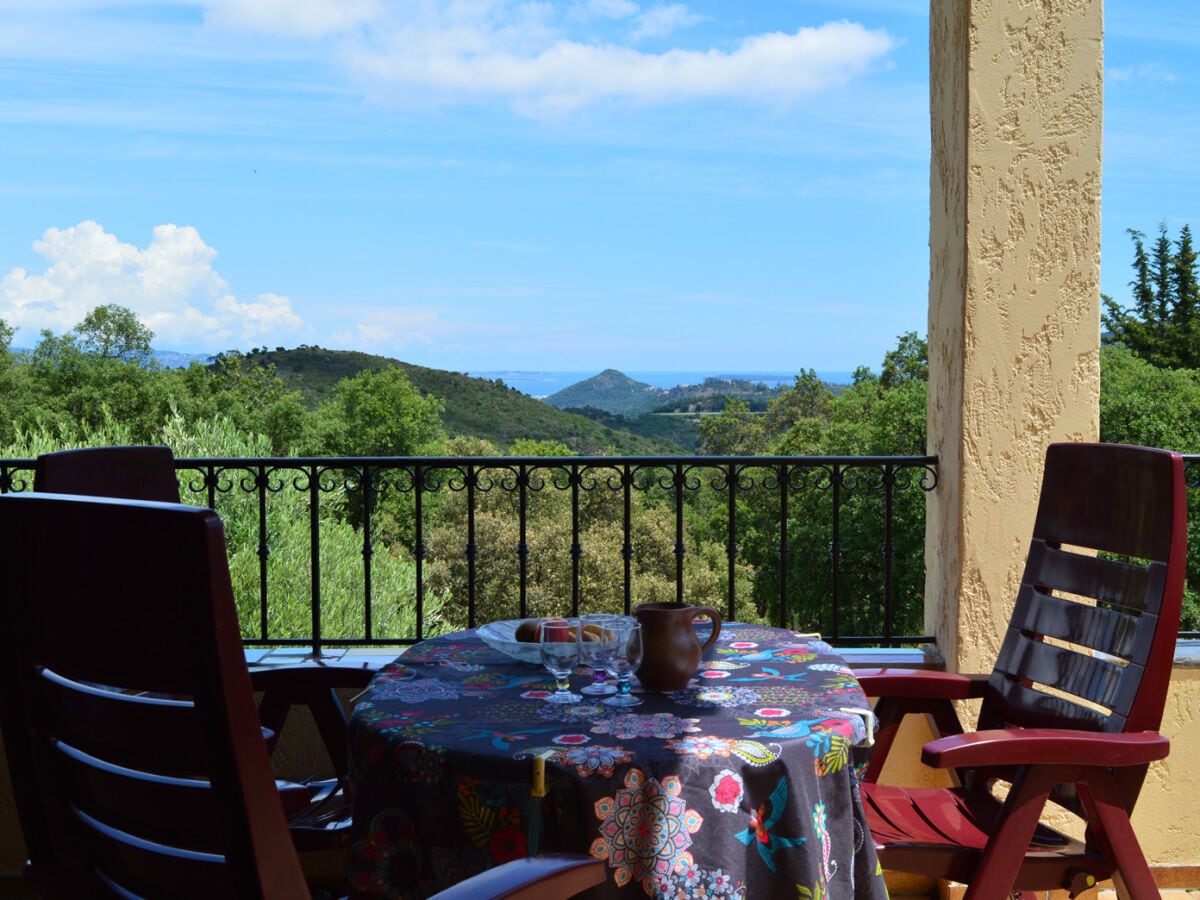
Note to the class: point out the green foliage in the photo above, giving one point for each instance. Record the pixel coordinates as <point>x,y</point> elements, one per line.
<point>876,416</point>
<point>908,362</point>
<point>549,561</point>
<point>250,395</point>
<point>808,399</point>
<point>664,429</point>
<point>1163,324</point>
<point>1143,404</point>
<point>736,431</point>
<point>379,414</point>
<point>114,332</point>
<point>76,388</point>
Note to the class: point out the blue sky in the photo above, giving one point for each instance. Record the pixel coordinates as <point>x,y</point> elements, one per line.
<point>482,184</point>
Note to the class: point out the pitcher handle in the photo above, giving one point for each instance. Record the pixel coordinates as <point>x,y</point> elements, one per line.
<point>715,617</point>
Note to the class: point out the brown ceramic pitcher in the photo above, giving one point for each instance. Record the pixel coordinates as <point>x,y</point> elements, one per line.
<point>670,650</point>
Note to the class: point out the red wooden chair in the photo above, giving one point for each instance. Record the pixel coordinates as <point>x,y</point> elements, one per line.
<point>128,719</point>
<point>318,812</point>
<point>1071,710</point>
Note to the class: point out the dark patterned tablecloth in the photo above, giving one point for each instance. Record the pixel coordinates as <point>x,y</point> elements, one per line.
<point>741,785</point>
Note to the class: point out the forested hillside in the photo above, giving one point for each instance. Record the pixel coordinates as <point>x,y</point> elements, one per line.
<point>472,407</point>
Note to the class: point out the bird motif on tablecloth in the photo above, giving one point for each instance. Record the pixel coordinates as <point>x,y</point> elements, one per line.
<point>763,820</point>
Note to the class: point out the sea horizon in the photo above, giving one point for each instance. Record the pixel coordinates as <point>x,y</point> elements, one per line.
<point>544,382</point>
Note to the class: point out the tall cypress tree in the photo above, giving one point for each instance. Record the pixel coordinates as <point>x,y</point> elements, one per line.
<point>1163,325</point>
<point>1186,289</point>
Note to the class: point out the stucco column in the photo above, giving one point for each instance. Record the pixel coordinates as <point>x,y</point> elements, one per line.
<point>1016,92</point>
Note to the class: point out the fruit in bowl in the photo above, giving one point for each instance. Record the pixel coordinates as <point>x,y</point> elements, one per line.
<point>527,631</point>
<point>518,638</point>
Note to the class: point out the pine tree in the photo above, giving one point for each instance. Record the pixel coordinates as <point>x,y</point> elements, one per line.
<point>1163,326</point>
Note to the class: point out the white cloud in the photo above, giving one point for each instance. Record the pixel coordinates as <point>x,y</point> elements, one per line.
<point>170,284</point>
<point>392,331</point>
<point>659,21</point>
<point>612,9</point>
<point>294,18</point>
<point>550,57</point>
<point>1147,73</point>
<point>467,63</point>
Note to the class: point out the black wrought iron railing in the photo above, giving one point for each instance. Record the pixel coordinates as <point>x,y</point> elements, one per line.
<point>385,551</point>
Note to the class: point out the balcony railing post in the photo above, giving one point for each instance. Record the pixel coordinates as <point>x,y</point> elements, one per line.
<point>835,549</point>
<point>784,481</point>
<point>263,549</point>
<point>365,476</point>
<point>523,539</point>
<point>472,550</point>
<point>576,543</point>
<point>731,544</point>
<point>889,550</point>
<point>627,536</point>
<point>418,546</point>
<point>680,547</point>
<point>314,523</point>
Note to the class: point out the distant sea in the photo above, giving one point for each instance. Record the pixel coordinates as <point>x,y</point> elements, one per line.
<point>543,384</point>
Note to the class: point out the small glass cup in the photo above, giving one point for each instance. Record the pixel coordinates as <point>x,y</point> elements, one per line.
<point>559,646</point>
<point>625,661</point>
<point>597,644</point>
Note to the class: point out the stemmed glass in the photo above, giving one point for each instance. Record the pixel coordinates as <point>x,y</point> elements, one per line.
<point>626,659</point>
<point>597,644</point>
<point>559,643</point>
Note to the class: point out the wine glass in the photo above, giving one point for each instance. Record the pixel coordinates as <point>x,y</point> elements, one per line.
<point>626,659</point>
<point>597,644</point>
<point>559,644</point>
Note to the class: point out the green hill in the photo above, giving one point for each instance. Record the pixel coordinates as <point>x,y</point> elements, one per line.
<point>474,407</point>
<point>617,393</point>
<point>611,391</point>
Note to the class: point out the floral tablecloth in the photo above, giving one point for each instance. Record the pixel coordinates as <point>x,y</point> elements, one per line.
<point>740,785</point>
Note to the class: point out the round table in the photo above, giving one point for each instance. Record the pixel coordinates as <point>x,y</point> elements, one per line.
<point>740,785</point>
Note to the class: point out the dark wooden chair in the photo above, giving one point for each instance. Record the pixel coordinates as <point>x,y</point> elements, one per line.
<point>128,718</point>
<point>1070,712</point>
<point>319,813</point>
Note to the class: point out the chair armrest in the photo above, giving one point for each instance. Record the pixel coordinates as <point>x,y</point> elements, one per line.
<point>922,684</point>
<point>315,686</point>
<point>1051,746</point>
<point>305,677</point>
<point>531,878</point>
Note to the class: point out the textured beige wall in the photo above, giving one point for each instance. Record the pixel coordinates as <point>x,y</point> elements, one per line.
<point>1014,289</point>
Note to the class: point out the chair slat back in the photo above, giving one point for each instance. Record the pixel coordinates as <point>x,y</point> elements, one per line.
<point>136,472</point>
<point>1091,640</point>
<point>109,606</point>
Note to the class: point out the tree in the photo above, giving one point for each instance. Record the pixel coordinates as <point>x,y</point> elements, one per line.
<point>1158,407</point>
<point>380,414</point>
<point>251,395</point>
<point>808,398</point>
<point>908,362</point>
<point>1163,324</point>
<point>114,332</point>
<point>736,431</point>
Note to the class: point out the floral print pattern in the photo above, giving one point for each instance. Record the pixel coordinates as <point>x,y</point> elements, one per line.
<point>645,830</point>
<point>629,726</point>
<point>727,790</point>
<point>741,783</point>
<point>716,695</point>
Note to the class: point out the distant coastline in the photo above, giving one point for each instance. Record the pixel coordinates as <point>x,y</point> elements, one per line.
<point>544,383</point>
